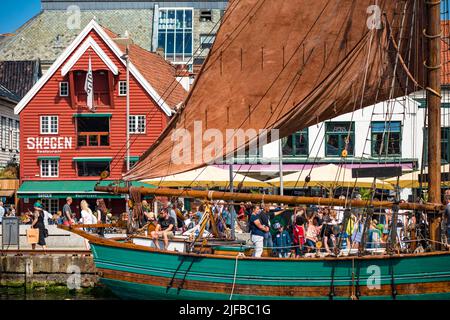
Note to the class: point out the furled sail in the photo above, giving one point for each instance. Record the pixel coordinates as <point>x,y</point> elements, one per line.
<point>287,65</point>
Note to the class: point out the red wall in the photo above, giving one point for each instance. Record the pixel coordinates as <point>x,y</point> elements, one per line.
<point>48,102</point>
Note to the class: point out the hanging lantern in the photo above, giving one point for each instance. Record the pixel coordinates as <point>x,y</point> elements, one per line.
<point>344,153</point>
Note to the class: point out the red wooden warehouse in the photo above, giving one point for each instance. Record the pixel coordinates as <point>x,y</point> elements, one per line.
<point>65,145</point>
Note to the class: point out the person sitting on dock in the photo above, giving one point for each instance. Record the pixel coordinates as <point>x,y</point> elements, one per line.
<point>164,228</point>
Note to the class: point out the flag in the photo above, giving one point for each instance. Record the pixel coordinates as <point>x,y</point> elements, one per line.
<point>89,87</point>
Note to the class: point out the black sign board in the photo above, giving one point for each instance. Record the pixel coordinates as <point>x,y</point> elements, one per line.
<point>10,231</point>
<point>376,172</point>
<point>445,176</point>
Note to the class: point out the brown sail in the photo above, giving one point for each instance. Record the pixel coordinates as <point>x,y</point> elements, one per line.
<point>287,65</point>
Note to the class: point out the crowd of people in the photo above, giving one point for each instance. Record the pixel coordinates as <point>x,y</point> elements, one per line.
<point>323,230</point>
<point>286,232</point>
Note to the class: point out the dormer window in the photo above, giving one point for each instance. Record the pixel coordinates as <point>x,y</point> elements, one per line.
<point>63,89</point>
<point>122,88</point>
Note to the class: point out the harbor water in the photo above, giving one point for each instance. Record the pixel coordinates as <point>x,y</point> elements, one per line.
<point>98,293</point>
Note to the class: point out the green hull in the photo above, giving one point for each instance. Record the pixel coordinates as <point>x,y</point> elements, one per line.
<point>147,274</point>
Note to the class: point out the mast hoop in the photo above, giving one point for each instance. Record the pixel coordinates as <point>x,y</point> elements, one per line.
<point>433,92</point>
<point>432,36</point>
<point>435,3</point>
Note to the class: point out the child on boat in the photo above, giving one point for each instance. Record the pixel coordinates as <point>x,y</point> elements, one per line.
<point>282,241</point>
<point>299,235</point>
<point>312,233</point>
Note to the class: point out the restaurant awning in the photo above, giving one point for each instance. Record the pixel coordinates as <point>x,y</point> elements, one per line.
<point>61,189</point>
<point>207,177</point>
<point>7,193</point>
<point>329,176</point>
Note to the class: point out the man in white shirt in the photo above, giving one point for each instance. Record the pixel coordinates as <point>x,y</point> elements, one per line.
<point>2,211</point>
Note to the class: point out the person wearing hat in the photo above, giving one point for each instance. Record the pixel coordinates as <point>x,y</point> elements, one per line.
<point>282,241</point>
<point>38,223</point>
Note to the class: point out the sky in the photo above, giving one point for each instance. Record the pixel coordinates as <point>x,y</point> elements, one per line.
<point>14,13</point>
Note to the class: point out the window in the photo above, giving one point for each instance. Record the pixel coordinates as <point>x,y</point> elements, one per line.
<point>175,34</point>
<point>205,15</point>
<point>63,89</point>
<point>445,145</point>
<point>296,144</point>
<point>11,135</point>
<point>49,124</point>
<point>49,168</point>
<point>386,138</point>
<point>339,136</point>
<point>137,124</point>
<point>16,135</point>
<point>207,40</point>
<point>122,88</point>
<point>92,168</point>
<point>51,205</point>
<point>3,132</point>
<point>93,131</point>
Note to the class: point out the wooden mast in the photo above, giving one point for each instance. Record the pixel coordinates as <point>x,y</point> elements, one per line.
<point>433,66</point>
<point>258,198</point>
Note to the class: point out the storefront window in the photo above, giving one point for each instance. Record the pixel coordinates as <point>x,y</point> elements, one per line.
<point>339,136</point>
<point>296,145</point>
<point>93,131</point>
<point>386,138</point>
<point>92,168</point>
<point>51,205</point>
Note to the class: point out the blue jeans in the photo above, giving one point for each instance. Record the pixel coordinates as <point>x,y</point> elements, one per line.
<point>268,243</point>
<point>310,244</point>
<point>448,235</point>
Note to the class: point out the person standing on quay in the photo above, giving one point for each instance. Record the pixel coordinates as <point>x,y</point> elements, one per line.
<point>38,223</point>
<point>2,212</point>
<point>101,215</point>
<point>67,213</point>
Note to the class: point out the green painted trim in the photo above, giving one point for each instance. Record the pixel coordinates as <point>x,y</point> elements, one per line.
<point>108,159</point>
<point>92,115</point>
<point>134,158</point>
<point>49,158</point>
<point>423,103</point>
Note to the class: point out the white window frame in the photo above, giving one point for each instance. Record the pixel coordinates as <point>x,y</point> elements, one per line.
<point>136,121</point>
<point>119,87</point>
<point>60,89</point>
<point>48,163</point>
<point>49,129</point>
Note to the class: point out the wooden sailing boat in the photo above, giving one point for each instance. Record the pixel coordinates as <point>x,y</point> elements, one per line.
<point>287,65</point>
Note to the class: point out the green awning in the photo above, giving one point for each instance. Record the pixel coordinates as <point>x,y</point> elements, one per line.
<point>92,159</point>
<point>49,158</point>
<point>61,189</point>
<point>92,115</point>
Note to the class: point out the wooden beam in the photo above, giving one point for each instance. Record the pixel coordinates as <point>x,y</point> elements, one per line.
<point>259,198</point>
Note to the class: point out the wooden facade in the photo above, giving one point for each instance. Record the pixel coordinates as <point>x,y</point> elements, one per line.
<point>84,136</point>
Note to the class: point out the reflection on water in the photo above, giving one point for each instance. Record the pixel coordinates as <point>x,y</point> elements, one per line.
<point>42,294</point>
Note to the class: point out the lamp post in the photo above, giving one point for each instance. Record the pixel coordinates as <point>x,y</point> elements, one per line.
<point>126,41</point>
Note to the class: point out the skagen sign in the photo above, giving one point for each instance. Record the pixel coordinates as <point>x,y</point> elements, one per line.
<point>49,143</point>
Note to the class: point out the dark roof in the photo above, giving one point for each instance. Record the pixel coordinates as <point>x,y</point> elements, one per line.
<point>5,93</point>
<point>19,76</point>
